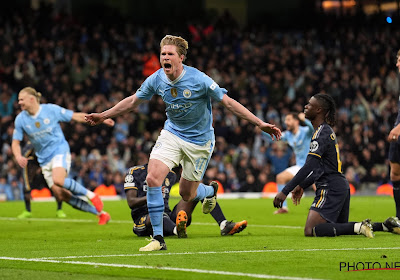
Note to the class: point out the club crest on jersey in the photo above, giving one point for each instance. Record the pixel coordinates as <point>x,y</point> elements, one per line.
<point>174,92</point>
<point>37,124</point>
<point>167,182</point>
<point>187,93</point>
<point>314,146</point>
<point>46,121</point>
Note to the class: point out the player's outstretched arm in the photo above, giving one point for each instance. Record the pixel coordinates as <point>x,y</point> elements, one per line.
<point>242,112</point>
<point>16,149</point>
<point>80,117</point>
<point>122,107</point>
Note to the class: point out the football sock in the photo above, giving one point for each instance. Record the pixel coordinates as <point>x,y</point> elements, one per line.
<point>280,188</point>
<point>203,191</point>
<point>74,187</point>
<point>82,205</point>
<point>217,214</point>
<point>378,227</point>
<point>396,196</point>
<point>155,204</point>
<point>168,225</point>
<point>59,205</point>
<point>334,229</point>
<point>159,238</point>
<point>27,200</point>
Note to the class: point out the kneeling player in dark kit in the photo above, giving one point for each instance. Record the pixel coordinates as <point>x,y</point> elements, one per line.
<point>175,221</point>
<point>329,213</point>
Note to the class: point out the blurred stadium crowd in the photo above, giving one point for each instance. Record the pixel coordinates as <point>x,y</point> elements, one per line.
<point>89,65</point>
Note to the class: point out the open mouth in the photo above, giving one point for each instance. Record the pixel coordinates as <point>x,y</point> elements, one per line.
<point>167,66</point>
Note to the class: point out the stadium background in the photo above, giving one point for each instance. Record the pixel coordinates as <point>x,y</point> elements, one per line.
<point>270,55</point>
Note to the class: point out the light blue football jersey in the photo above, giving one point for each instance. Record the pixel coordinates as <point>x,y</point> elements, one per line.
<point>299,142</point>
<point>188,102</point>
<point>44,131</point>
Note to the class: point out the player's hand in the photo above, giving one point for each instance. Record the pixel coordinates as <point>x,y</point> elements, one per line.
<point>94,119</point>
<point>109,122</point>
<point>279,199</point>
<point>22,161</point>
<point>272,130</point>
<point>394,134</point>
<point>297,194</point>
<point>302,116</point>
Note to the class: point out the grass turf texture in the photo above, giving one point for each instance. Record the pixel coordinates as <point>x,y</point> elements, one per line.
<point>271,247</point>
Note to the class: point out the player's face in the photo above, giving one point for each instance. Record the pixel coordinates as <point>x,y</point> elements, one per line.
<point>311,109</point>
<point>171,61</point>
<point>25,100</point>
<point>291,123</point>
<point>398,63</point>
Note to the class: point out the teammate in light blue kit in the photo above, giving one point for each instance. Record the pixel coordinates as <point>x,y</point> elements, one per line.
<point>298,138</point>
<point>188,135</point>
<point>40,122</point>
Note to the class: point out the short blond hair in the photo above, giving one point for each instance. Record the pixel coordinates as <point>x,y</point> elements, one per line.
<point>180,43</point>
<point>33,92</point>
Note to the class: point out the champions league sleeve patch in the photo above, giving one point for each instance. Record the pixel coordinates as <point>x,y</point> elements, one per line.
<point>129,178</point>
<point>314,146</point>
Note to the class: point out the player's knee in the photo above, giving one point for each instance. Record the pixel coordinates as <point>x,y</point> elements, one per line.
<point>152,180</point>
<point>280,179</point>
<point>394,172</point>
<point>308,232</point>
<point>58,181</point>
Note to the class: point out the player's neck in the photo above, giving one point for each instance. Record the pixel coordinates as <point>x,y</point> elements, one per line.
<point>317,122</point>
<point>176,73</point>
<point>32,111</point>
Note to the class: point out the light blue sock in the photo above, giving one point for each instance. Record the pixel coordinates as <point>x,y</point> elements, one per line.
<point>74,186</point>
<point>82,205</point>
<point>155,204</point>
<point>203,191</point>
<point>280,188</point>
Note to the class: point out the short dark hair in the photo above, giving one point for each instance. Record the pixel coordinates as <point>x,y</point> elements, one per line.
<point>294,115</point>
<point>328,104</point>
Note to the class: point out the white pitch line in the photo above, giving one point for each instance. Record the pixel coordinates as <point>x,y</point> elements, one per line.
<point>221,252</point>
<point>216,272</point>
<point>126,222</point>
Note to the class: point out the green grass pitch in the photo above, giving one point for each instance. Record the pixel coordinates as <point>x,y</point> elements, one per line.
<point>271,247</point>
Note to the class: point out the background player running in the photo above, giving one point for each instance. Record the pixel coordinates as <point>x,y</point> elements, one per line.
<point>41,124</point>
<point>298,137</point>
